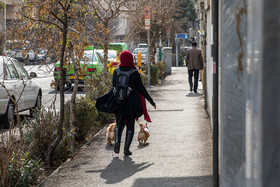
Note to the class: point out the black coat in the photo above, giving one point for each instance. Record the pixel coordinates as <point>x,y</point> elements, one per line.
<point>133,107</point>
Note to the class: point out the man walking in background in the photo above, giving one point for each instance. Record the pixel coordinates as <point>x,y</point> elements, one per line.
<point>194,62</point>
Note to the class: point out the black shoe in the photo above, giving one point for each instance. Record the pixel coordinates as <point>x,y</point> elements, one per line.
<point>128,153</point>
<point>117,147</point>
<point>195,91</point>
<point>191,89</point>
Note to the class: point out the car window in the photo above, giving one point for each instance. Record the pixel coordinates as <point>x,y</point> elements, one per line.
<point>11,72</point>
<point>142,50</point>
<point>101,60</point>
<point>112,55</point>
<point>89,56</point>
<point>21,71</point>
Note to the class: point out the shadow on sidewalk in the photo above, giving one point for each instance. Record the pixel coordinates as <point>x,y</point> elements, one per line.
<point>119,170</point>
<point>194,94</point>
<point>201,181</point>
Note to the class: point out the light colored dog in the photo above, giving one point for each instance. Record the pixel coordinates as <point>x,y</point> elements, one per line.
<point>53,84</point>
<point>110,134</point>
<point>143,134</point>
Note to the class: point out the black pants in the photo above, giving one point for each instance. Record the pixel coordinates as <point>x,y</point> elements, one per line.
<point>121,119</point>
<point>129,123</point>
<point>196,73</point>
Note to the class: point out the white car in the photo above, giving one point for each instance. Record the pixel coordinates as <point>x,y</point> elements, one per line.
<point>143,52</point>
<point>16,86</point>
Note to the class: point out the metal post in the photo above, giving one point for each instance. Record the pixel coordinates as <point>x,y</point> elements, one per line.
<point>5,21</point>
<point>148,61</point>
<point>160,48</point>
<point>176,42</point>
<point>168,42</point>
<point>215,105</point>
<point>5,26</point>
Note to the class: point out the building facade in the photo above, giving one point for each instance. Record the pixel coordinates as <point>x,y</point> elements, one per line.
<point>242,90</point>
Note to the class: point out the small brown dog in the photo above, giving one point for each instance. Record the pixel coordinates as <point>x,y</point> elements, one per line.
<point>143,134</point>
<point>53,84</point>
<point>110,134</point>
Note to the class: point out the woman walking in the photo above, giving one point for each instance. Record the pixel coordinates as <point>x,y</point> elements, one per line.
<point>133,107</point>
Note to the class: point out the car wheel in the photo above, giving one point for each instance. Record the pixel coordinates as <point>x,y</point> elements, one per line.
<point>37,106</point>
<point>67,86</point>
<point>9,116</point>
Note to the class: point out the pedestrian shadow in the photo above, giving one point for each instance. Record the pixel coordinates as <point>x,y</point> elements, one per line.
<point>142,146</point>
<point>202,181</point>
<point>109,147</point>
<point>191,94</point>
<point>118,169</point>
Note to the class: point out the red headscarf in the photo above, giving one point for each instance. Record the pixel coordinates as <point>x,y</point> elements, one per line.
<point>126,59</point>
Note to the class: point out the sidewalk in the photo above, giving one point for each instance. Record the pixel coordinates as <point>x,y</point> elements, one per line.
<point>178,152</point>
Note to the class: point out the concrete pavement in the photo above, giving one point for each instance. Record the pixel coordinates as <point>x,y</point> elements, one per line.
<point>178,152</point>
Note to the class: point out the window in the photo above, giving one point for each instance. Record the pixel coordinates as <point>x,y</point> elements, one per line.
<point>22,72</point>
<point>11,72</point>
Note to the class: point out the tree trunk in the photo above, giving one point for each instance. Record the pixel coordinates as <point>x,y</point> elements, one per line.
<point>62,83</point>
<point>73,98</point>
<point>106,32</point>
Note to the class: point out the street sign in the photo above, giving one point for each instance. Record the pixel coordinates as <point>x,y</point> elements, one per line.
<point>147,12</point>
<point>147,24</point>
<point>147,18</point>
<point>183,36</point>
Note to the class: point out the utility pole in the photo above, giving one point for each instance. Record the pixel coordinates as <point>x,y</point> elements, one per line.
<point>148,27</point>
<point>160,47</point>
<point>215,106</point>
<point>148,60</point>
<point>176,42</point>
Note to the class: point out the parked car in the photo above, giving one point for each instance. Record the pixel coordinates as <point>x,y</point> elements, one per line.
<point>143,52</point>
<point>142,45</point>
<point>113,59</point>
<point>42,56</point>
<point>17,84</point>
<point>89,65</point>
<point>21,55</point>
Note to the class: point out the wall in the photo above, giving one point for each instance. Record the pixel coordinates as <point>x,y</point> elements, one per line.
<point>209,62</point>
<point>249,92</point>
<point>232,66</point>
<point>253,95</point>
<point>263,98</point>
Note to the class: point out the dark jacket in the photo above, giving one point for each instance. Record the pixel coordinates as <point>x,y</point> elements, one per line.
<point>194,59</point>
<point>133,106</point>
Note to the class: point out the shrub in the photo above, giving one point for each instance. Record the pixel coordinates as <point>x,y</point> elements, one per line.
<point>18,167</point>
<point>161,70</point>
<point>86,117</point>
<point>7,147</point>
<point>96,86</point>
<point>24,171</point>
<point>154,75</point>
<point>157,73</point>
<point>144,78</point>
<point>42,131</point>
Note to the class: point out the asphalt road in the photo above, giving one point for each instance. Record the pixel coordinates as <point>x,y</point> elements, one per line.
<point>45,77</point>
